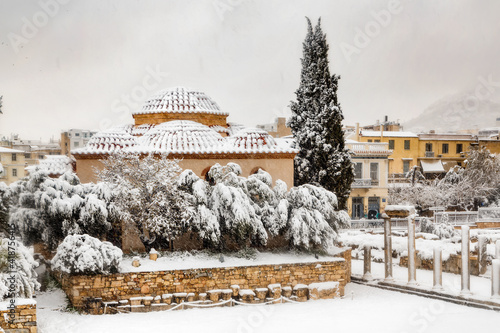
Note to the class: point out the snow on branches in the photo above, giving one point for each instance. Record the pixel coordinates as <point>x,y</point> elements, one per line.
<point>47,209</point>
<point>476,183</point>
<point>82,254</point>
<point>146,194</point>
<point>231,207</point>
<point>25,283</point>
<point>316,122</point>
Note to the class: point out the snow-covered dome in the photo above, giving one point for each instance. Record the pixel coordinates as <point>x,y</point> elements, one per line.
<point>252,138</point>
<point>181,136</point>
<point>107,142</point>
<point>180,100</point>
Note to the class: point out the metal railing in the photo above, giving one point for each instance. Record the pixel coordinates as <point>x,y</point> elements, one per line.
<point>396,223</point>
<point>456,218</point>
<point>361,182</point>
<point>429,154</point>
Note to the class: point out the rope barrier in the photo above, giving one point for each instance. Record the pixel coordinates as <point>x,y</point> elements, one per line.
<point>196,304</point>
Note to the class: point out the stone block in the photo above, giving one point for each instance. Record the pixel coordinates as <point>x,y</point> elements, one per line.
<point>286,291</point>
<point>323,290</point>
<point>167,298</point>
<point>179,297</point>
<point>214,295</point>
<point>261,293</point>
<point>247,295</point>
<point>227,294</point>
<point>301,290</point>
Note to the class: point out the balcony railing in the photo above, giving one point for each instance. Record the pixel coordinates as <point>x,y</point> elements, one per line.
<point>429,154</point>
<point>368,147</point>
<point>362,183</point>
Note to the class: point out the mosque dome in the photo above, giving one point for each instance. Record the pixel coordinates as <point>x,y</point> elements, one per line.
<point>182,136</point>
<point>180,100</point>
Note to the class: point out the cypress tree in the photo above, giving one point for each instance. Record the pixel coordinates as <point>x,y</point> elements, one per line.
<point>316,122</point>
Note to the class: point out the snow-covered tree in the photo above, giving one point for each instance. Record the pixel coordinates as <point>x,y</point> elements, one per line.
<point>146,192</point>
<point>4,208</point>
<point>316,123</point>
<point>465,188</point>
<point>82,254</point>
<point>21,266</point>
<point>249,209</point>
<point>313,219</point>
<point>47,210</point>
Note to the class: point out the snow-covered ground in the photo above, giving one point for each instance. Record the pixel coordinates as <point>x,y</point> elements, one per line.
<point>364,309</point>
<point>188,260</point>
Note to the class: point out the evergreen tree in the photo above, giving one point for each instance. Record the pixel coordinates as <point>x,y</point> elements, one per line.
<point>316,123</point>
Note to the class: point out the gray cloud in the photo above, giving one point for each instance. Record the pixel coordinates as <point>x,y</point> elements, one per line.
<point>247,58</point>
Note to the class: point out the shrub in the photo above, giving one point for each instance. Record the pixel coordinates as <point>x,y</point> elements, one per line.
<point>83,254</point>
<point>24,275</point>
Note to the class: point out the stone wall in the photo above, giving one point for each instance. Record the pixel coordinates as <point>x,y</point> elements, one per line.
<point>23,319</point>
<point>452,265</point>
<point>116,287</point>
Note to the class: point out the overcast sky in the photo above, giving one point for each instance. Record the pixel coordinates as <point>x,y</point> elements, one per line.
<point>72,65</point>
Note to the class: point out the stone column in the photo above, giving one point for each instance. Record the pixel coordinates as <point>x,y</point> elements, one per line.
<point>465,262</point>
<point>387,248</point>
<point>481,254</point>
<point>497,249</point>
<point>412,257</point>
<point>495,278</point>
<point>367,263</point>
<point>438,269</point>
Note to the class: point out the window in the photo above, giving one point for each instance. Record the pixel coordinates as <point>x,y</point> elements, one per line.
<point>358,170</point>
<point>391,144</point>
<point>445,148</point>
<point>14,172</point>
<point>14,157</point>
<point>84,135</point>
<point>77,134</point>
<point>77,144</point>
<point>460,148</point>
<point>27,155</point>
<point>406,166</point>
<point>377,140</point>
<point>370,140</point>
<point>357,208</point>
<point>428,147</point>
<point>407,144</point>
<point>374,173</point>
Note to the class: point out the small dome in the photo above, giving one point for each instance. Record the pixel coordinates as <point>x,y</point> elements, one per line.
<point>180,100</point>
<point>181,136</point>
<point>107,142</point>
<point>251,139</point>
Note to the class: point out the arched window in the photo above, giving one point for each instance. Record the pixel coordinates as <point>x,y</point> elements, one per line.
<point>204,174</point>
<point>255,170</point>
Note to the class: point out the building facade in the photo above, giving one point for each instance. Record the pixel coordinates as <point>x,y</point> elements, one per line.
<point>12,164</point>
<point>369,190</point>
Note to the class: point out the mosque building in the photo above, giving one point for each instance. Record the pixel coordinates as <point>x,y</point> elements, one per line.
<point>189,126</point>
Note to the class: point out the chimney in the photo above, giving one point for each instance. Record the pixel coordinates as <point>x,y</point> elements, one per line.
<point>386,118</point>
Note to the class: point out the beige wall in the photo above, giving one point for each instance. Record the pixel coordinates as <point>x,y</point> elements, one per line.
<point>279,168</point>
<point>9,165</point>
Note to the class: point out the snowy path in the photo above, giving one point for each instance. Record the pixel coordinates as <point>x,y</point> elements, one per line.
<point>364,309</point>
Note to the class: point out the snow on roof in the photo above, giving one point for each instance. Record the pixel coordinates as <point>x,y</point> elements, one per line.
<point>252,138</point>
<point>388,134</point>
<point>180,100</point>
<point>9,150</point>
<point>435,166</point>
<point>107,142</point>
<point>53,164</point>
<point>220,129</point>
<point>180,136</point>
<point>185,137</point>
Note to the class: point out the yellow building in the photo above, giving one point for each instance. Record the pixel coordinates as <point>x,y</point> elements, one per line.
<point>370,187</point>
<point>12,164</point>
<point>404,147</point>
